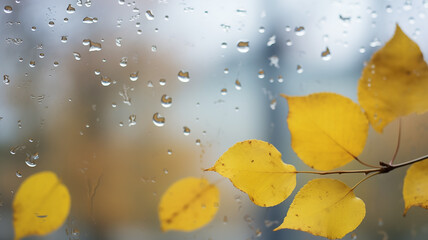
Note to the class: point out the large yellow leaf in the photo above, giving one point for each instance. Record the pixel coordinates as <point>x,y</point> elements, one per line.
<point>327,130</point>
<point>256,168</point>
<point>40,206</point>
<point>415,189</point>
<point>188,204</point>
<point>325,207</point>
<point>395,81</point>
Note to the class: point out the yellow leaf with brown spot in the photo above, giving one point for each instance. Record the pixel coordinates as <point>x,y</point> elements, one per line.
<point>188,204</point>
<point>325,207</point>
<point>327,130</point>
<point>415,189</point>
<point>40,206</point>
<point>395,81</point>
<point>256,168</point>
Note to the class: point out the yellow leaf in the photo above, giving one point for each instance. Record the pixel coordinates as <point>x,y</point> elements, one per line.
<point>395,81</point>
<point>415,189</point>
<point>327,130</point>
<point>41,205</point>
<point>188,204</point>
<point>256,168</point>
<point>325,207</point>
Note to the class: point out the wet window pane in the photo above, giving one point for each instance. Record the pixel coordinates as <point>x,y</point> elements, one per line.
<point>123,98</point>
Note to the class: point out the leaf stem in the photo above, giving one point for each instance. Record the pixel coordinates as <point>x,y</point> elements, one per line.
<point>384,168</point>
<point>398,142</point>
<point>364,179</point>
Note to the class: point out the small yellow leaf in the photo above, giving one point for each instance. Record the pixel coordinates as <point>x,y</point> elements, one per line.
<point>325,207</point>
<point>395,81</point>
<point>188,204</point>
<point>256,168</point>
<point>41,205</point>
<point>327,130</point>
<point>415,189</point>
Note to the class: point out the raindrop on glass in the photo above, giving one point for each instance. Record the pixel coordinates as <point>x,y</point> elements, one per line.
<point>300,31</point>
<point>105,81</point>
<point>326,55</point>
<point>149,15</point>
<point>223,45</point>
<point>288,42</point>
<point>76,56</point>
<point>119,42</point>
<point>88,20</point>
<point>162,82</point>
<point>64,39</point>
<point>261,73</point>
<point>32,64</point>
<point>243,46</point>
<point>123,62</point>
<point>51,23</point>
<point>70,9</point>
<point>223,91</point>
<point>8,9</point>
<point>132,120</point>
<point>158,120</point>
<point>169,152</point>
<point>6,79</point>
<point>33,28</point>
<point>133,76</point>
<point>299,69</point>
<point>198,142</point>
<point>19,174</point>
<point>86,42</point>
<point>94,47</point>
<point>183,76</point>
<point>186,131</point>
<point>166,101</point>
<point>273,104</point>
<point>238,85</point>
<point>261,29</point>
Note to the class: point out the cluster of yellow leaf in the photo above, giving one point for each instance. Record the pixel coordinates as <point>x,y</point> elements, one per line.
<point>327,131</point>
<point>41,205</point>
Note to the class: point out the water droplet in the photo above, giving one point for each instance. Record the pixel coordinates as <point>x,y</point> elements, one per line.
<point>223,91</point>
<point>123,62</point>
<point>183,76</point>
<point>8,9</point>
<point>243,46</point>
<point>166,101</point>
<point>273,104</point>
<point>41,55</point>
<point>119,42</point>
<point>241,12</point>
<point>133,76</point>
<point>226,70</point>
<point>86,42</point>
<point>300,31</point>
<point>353,236</point>
<point>407,5</point>
<point>64,39</point>
<point>88,20</point>
<point>162,82</point>
<point>94,47</point>
<point>223,45</point>
<point>261,29</point>
<point>186,131</point>
<point>258,233</point>
<point>299,69</point>
<point>31,160</point>
<point>238,85</point>
<point>362,50</point>
<point>149,84</point>
<point>65,20</point>
<point>169,152</point>
<point>261,74</point>
<point>326,55</point>
<point>121,2</point>
<point>132,120</point>
<point>32,64</point>
<point>159,121</point>
<point>6,79</point>
<point>375,43</point>
<point>388,9</point>
<point>149,15</point>
<point>120,124</point>
<point>165,171</point>
<point>19,174</point>
<point>79,3</point>
<point>105,81</point>
<point>70,9</point>
<point>272,41</point>
<point>198,142</point>
<point>154,48</point>
<point>288,42</point>
<point>51,23</point>
<point>139,31</point>
<point>76,56</point>
<point>88,3</point>
<point>33,28</point>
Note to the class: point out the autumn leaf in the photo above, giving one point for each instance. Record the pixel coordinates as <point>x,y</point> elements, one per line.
<point>256,167</point>
<point>327,130</point>
<point>41,205</point>
<point>395,81</point>
<point>325,207</point>
<point>188,204</point>
<point>415,189</point>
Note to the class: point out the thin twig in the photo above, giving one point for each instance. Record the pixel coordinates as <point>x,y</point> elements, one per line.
<point>364,163</point>
<point>410,162</point>
<point>398,143</point>
<point>365,171</point>
<point>364,179</point>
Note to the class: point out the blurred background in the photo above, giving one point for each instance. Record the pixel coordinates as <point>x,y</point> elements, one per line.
<point>122,98</point>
